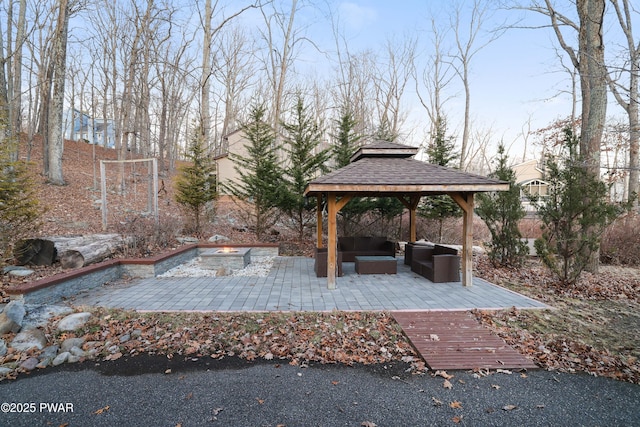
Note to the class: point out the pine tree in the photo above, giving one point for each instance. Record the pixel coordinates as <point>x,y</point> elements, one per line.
<point>565,246</point>
<point>258,190</point>
<point>196,185</point>
<point>502,211</point>
<point>19,207</point>
<point>346,143</point>
<point>441,151</point>
<point>302,141</point>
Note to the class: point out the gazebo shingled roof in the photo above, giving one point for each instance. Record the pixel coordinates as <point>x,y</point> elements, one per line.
<point>388,169</point>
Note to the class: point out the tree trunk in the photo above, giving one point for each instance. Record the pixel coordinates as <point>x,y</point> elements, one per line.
<point>593,78</point>
<point>56,138</point>
<point>72,252</point>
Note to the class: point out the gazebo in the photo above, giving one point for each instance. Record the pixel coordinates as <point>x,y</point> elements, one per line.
<point>385,169</point>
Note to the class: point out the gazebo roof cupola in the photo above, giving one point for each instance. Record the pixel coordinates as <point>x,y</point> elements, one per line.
<point>384,149</point>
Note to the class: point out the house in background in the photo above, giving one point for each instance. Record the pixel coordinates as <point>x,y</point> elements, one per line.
<point>232,143</point>
<point>79,126</point>
<point>532,179</point>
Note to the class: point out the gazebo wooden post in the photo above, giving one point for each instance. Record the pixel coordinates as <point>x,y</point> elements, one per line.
<point>467,248</point>
<point>413,207</point>
<point>319,221</point>
<point>332,232</point>
<point>465,201</point>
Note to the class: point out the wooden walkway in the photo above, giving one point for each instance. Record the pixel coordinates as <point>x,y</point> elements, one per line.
<point>456,340</point>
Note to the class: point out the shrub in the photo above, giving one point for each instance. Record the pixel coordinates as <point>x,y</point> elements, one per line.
<point>621,241</point>
<point>144,237</point>
<point>572,224</point>
<point>19,207</point>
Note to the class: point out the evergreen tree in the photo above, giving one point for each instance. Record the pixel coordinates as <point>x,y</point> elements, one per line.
<point>19,207</point>
<point>303,136</point>
<point>258,191</point>
<point>384,131</point>
<point>441,151</point>
<point>196,185</point>
<point>385,209</point>
<point>565,246</point>
<point>502,211</point>
<point>346,141</point>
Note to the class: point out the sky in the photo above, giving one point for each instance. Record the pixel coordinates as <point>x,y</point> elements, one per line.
<point>515,80</point>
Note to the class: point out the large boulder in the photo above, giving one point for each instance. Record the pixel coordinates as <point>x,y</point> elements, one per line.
<point>29,339</point>
<point>11,317</point>
<point>7,325</point>
<point>73,321</point>
<point>16,311</point>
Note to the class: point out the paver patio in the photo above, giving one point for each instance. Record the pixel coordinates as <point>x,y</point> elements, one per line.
<point>292,286</point>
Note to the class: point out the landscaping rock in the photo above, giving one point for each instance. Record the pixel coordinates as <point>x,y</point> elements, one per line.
<point>38,314</point>
<point>77,351</point>
<point>30,364</point>
<point>69,343</point>
<point>73,321</point>
<point>73,358</point>
<point>4,371</point>
<point>124,338</point>
<point>21,272</point>
<point>61,358</point>
<point>7,324</point>
<point>28,339</point>
<point>48,354</point>
<point>187,240</point>
<point>218,238</point>
<point>16,311</point>
<point>3,348</point>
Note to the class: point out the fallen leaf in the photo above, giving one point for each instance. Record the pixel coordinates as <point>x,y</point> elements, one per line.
<point>504,371</point>
<point>443,374</point>
<point>509,407</point>
<point>101,410</point>
<point>447,384</point>
<point>457,419</point>
<point>260,401</point>
<point>434,337</point>
<point>455,404</point>
<point>168,371</point>
<point>188,396</point>
<point>368,424</point>
<point>335,382</point>
<point>436,402</point>
<point>523,375</point>
<point>497,387</point>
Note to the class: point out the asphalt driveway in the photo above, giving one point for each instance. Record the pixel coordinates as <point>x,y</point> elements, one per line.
<point>155,391</point>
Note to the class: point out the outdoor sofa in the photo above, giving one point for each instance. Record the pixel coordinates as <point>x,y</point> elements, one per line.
<point>350,247</point>
<point>438,263</point>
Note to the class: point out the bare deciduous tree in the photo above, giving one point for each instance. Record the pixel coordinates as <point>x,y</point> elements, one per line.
<point>626,92</point>
<point>468,43</point>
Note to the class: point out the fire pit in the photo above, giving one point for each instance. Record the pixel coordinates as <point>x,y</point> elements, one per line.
<point>227,258</point>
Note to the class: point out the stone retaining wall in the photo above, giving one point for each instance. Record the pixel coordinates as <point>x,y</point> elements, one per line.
<point>65,285</point>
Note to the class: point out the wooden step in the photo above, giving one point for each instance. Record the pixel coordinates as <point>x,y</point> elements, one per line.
<point>456,340</point>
